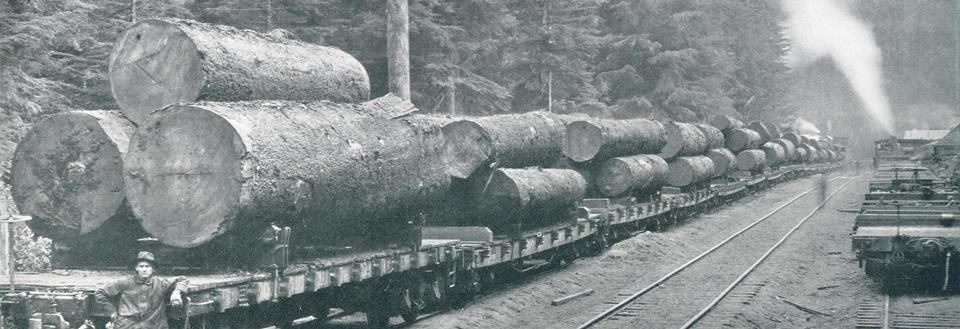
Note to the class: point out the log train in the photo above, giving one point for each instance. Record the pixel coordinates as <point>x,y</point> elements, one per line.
<point>253,165</point>
<point>904,234</point>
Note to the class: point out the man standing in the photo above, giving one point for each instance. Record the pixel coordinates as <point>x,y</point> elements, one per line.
<point>140,300</point>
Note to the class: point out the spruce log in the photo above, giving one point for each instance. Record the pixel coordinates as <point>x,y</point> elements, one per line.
<point>713,135</point>
<point>751,160</point>
<point>333,170</point>
<point>803,154</point>
<point>773,129</point>
<point>793,138</point>
<point>685,171</point>
<point>774,153</point>
<point>740,139</point>
<point>761,129</point>
<point>585,140</point>
<point>511,140</point>
<point>156,63</point>
<point>811,141</point>
<point>789,149</point>
<point>531,195</point>
<point>683,139</point>
<point>811,153</point>
<point>726,122</point>
<point>67,172</point>
<point>724,161</point>
<point>643,173</point>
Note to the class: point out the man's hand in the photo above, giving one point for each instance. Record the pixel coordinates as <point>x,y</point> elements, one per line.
<point>175,299</point>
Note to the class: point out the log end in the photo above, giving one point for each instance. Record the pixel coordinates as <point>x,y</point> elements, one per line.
<point>154,64</point>
<point>67,171</point>
<point>614,177</point>
<point>582,141</point>
<point>184,175</point>
<point>466,147</point>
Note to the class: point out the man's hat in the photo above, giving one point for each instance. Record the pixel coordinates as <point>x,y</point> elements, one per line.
<point>146,256</point>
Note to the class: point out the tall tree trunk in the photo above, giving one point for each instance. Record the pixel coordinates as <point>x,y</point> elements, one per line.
<point>398,48</point>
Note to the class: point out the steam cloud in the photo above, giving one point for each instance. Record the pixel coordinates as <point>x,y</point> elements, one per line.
<point>823,28</point>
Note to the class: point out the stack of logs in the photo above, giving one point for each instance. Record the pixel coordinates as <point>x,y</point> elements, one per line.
<point>223,132</point>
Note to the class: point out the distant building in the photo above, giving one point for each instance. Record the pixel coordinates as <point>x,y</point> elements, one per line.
<point>930,135</point>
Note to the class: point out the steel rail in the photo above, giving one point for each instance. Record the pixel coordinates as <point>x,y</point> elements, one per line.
<point>749,270</point>
<point>610,311</point>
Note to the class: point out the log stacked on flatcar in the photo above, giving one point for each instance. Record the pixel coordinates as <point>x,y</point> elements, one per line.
<point>158,62</point>
<point>602,139</point>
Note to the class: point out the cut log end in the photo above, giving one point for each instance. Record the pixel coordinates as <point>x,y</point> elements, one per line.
<point>582,141</point>
<point>154,64</point>
<point>198,190</point>
<point>466,147</point>
<point>685,171</point>
<point>67,171</point>
<point>644,172</point>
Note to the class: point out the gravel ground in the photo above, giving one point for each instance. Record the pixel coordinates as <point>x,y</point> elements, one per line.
<point>643,259</point>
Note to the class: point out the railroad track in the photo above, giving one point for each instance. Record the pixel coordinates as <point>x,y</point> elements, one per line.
<point>683,296</point>
<point>899,312</point>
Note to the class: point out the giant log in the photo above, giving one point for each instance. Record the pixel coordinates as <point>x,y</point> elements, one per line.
<point>793,138</point>
<point>67,172</point>
<point>751,160</point>
<point>789,149</point>
<point>529,196</point>
<point>774,153</point>
<point>332,170</point>
<point>586,140</point>
<point>713,136</point>
<point>773,129</point>
<point>510,140</point>
<point>726,122</point>
<point>761,129</point>
<point>724,161</point>
<point>685,171</point>
<point>156,63</point>
<point>643,173</point>
<point>683,139</point>
<point>810,153</point>
<point>803,155</point>
<point>740,139</point>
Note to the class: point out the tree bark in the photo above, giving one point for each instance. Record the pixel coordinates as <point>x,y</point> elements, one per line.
<point>156,63</point>
<point>683,139</point>
<point>724,161</point>
<point>774,153</point>
<point>529,197</point>
<point>740,139</point>
<point>510,140</point>
<point>751,160</point>
<point>726,122</point>
<point>713,136</point>
<point>643,173</point>
<point>333,171</point>
<point>600,139</point>
<point>789,149</point>
<point>685,171</point>
<point>67,172</point>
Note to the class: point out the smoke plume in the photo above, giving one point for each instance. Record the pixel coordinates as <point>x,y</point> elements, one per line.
<point>824,28</point>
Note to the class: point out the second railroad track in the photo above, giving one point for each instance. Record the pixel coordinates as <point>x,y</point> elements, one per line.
<point>682,297</point>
